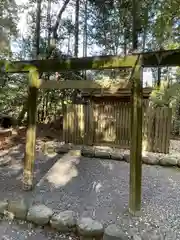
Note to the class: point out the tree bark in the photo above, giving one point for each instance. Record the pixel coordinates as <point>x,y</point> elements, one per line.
<point>30,140</point>
<point>59,16</point>
<point>38,25</point>
<point>76,35</point>
<point>32,108</point>
<point>134,27</point>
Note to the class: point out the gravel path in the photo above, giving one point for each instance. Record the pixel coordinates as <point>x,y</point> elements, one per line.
<point>11,175</point>
<point>18,230</point>
<point>100,189</point>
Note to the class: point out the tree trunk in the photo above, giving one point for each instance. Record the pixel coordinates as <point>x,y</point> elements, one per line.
<point>59,16</point>
<point>76,36</point>
<point>158,77</point>
<point>38,22</point>
<point>134,27</point>
<point>48,26</point>
<point>85,34</point>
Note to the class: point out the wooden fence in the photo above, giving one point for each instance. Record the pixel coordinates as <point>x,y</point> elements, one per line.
<point>109,124</point>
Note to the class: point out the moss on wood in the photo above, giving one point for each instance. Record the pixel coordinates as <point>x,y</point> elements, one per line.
<point>54,65</point>
<point>149,59</point>
<point>136,143</point>
<point>31,131</point>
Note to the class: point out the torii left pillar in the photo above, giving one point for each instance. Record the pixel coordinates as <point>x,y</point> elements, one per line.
<point>30,149</point>
<point>136,142</point>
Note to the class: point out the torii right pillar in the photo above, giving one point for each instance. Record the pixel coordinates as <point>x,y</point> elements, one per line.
<point>136,142</point>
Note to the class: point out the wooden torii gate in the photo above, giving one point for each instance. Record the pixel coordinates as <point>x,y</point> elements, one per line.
<point>134,61</point>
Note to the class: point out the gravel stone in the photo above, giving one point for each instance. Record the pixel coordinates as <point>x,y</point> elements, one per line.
<point>88,151</point>
<point>136,237</point>
<point>5,160</point>
<point>64,221</point>
<point>18,230</point>
<point>103,186</point>
<point>126,157</point>
<point>65,148</point>
<point>18,208</point>
<point>88,227</point>
<point>114,232</point>
<point>39,214</point>
<point>3,206</point>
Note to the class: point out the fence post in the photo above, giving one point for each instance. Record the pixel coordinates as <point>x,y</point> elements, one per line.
<point>136,142</point>
<point>91,125</point>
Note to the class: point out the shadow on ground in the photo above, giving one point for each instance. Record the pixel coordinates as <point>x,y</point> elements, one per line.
<point>11,175</point>
<point>100,189</point>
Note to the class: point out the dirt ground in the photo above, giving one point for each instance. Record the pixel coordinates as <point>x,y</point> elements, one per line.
<point>12,137</point>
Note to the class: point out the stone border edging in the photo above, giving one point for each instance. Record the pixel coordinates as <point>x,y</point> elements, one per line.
<point>170,160</point>
<point>149,158</point>
<point>64,222</point>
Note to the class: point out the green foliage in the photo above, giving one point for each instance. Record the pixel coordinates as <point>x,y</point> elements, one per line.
<point>8,21</point>
<point>109,27</point>
<point>166,95</point>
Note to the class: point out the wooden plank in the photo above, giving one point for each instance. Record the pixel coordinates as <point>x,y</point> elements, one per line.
<point>86,123</point>
<point>168,130</point>
<point>57,65</point>
<point>77,84</point>
<point>31,131</point>
<point>150,133</point>
<point>158,130</point>
<point>65,126</point>
<point>161,58</point>
<point>90,138</point>
<point>136,143</point>
<point>120,90</point>
<point>149,59</point>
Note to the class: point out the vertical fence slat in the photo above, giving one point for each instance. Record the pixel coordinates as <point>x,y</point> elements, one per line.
<point>97,123</point>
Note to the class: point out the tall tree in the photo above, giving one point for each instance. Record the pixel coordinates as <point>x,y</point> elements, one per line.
<point>38,28</point>
<point>76,34</point>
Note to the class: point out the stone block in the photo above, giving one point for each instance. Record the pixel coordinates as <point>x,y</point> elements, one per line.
<point>169,160</point>
<point>117,155</point>
<point>150,159</point>
<point>65,148</point>
<point>114,232</point>
<point>101,153</point>
<point>126,157</point>
<point>88,151</point>
<point>89,229</point>
<point>39,214</point>
<point>18,208</point>
<point>152,235</point>
<point>64,221</point>
<point>3,206</point>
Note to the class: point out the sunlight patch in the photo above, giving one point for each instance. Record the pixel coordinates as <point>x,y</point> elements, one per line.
<point>62,174</point>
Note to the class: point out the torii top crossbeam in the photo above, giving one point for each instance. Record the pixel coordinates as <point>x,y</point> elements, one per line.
<point>149,59</point>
